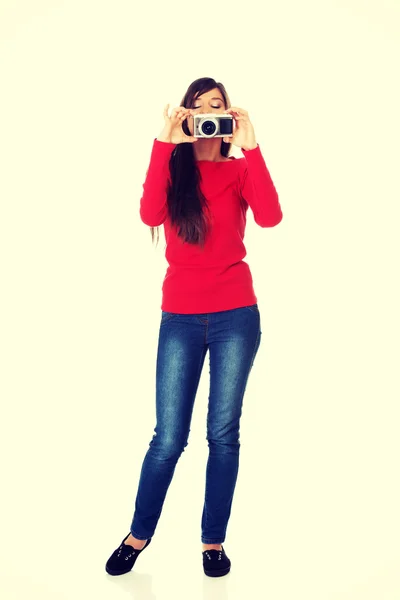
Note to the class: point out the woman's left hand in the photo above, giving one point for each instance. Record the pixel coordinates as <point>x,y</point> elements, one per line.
<point>243,132</point>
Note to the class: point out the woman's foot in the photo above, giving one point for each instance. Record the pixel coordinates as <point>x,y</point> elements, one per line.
<point>135,543</point>
<point>124,557</point>
<point>215,561</point>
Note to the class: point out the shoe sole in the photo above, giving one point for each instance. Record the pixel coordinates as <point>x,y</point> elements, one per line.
<point>217,573</point>
<point>110,572</point>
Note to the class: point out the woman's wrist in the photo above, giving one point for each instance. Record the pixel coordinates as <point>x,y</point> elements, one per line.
<point>247,148</point>
<point>165,135</point>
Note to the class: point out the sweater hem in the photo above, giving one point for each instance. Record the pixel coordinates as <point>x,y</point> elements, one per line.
<point>187,306</point>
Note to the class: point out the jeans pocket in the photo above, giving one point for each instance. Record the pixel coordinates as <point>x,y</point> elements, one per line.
<point>166,316</point>
<point>253,308</point>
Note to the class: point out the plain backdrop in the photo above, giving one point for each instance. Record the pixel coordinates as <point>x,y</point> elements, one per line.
<point>83,85</point>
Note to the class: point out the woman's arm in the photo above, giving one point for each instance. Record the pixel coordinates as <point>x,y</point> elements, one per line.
<point>258,190</point>
<point>153,203</point>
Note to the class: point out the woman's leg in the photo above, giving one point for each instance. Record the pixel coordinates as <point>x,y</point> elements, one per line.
<point>180,359</point>
<point>234,338</point>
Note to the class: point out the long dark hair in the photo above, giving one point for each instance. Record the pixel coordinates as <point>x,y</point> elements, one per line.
<point>186,202</point>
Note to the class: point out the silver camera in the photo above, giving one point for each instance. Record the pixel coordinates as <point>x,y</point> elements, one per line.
<point>211,125</point>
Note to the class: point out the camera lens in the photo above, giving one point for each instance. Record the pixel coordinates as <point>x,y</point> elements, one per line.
<point>208,127</point>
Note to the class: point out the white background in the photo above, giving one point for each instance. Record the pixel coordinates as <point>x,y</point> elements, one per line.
<point>83,85</point>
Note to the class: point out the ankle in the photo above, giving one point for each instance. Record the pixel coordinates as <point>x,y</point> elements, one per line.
<point>212,547</point>
<point>135,543</point>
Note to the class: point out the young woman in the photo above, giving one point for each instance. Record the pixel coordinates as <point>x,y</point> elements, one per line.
<point>201,196</point>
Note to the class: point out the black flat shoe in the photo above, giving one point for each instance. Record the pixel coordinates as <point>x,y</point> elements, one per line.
<point>123,558</point>
<point>216,563</point>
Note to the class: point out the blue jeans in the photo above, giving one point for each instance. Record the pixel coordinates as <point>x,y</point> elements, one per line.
<point>233,338</point>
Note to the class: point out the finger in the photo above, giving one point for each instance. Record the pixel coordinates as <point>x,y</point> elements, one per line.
<point>236,118</point>
<point>235,115</point>
<point>241,111</point>
<point>181,110</point>
<point>239,117</point>
<point>184,114</point>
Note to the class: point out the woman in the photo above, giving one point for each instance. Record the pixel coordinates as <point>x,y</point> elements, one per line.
<point>201,196</point>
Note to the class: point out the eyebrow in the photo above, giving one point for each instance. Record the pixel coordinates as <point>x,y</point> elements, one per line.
<point>195,99</point>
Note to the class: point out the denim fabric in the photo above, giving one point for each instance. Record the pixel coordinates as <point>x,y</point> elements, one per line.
<point>232,338</point>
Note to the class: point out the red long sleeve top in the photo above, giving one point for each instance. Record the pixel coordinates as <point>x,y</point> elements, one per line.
<point>215,278</point>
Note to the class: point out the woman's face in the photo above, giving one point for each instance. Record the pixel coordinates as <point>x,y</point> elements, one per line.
<point>209,102</point>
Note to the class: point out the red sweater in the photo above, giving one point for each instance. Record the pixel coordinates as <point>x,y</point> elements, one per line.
<point>215,278</point>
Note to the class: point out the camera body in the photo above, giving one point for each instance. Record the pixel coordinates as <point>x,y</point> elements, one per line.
<point>210,125</point>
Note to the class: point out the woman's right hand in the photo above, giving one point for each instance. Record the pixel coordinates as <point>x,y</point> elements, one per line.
<point>173,132</point>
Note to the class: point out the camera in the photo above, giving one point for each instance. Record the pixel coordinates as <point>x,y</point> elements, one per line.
<point>212,125</point>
